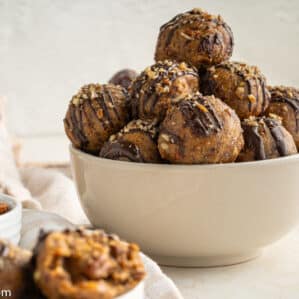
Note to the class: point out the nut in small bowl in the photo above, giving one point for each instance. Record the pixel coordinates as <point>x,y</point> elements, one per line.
<point>10,219</point>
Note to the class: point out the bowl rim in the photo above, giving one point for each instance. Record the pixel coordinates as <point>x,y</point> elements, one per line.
<point>260,163</point>
<point>13,203</point>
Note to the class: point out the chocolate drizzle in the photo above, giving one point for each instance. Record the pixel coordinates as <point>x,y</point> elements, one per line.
<point>121,150</point>
<point>95,112</point>
<point>76,126</point>
<point>174,139</point>
<point>265,94</point>
<point>251,80</point>
<point>200,116</point>
<point>278,135</point>
<point>155,82</point>
<point>255,141</point>
<point>213,36</point>
<point>133,142</point>
<point>195,15</point>
<point>292,102</point>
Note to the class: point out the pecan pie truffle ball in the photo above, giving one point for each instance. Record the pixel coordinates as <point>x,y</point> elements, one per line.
<point>160,85</point>
<point>196,37</point>
<point>136,142</point>
<point>86,265</point>
<point>285,103</point>
<point>13,265</point>
<point>123,78</point>
<point>94,113</point>
<point>241,86</point>
<point>200,130</point>
<point>265,138</point>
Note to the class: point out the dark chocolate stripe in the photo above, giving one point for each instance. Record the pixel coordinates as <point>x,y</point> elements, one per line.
<point>278,136</point>
<point>201,122</point>
<point>244,79</point>
<point>154,100</point>
<point>101,102</point>
<point>254,141</point>
<point>249,88</point>
<point>172,22</point>
<point>231,37</point>
<point>169,37</point>
<point>121,150</point>
<point>174,139</point>
<point>80,120</point>
<point>76,126</point>
<point>293,103</point>
<point>110,98</point>
<point>93,109</point>
<point>150,94</point>
<point>88,118</point>
<point>264,103</point>
<point>215,119</point>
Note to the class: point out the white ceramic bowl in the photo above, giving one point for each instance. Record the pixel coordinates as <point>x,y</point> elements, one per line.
<point>10,222</point>
<point>191,215</point>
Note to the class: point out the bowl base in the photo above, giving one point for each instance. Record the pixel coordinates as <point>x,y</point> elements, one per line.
<point>206,261</point>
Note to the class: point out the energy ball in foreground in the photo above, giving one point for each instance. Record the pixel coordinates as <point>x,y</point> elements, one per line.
<point>136,142</point>
<point>265,138</point>
<point>86,265</point>
<point>160,85</point>
<point>13,269</point>
<point>196,37</point>
<point>123,78</point>
<point>200,130</point>
<point>94,113</point>
<point>241,86</point>
<point>285,103</point>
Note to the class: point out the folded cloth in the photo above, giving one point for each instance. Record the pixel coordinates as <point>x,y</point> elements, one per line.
<point>10,182</point>
<point>55,192</point>
<point>157,284</point>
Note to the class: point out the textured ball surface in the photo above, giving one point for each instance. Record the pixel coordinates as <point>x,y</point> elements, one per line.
<point>161,85</point>
<point>241,86</point>
<point>285,103</point>
<point>265,138</point>
<point>136,142</point>
<point>200,130</point>
<point>196,37</point>
<point>94,113</point>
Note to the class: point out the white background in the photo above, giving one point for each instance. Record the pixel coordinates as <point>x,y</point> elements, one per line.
<point>48,48</point>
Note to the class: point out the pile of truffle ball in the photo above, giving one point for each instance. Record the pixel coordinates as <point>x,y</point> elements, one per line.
<point>193,106</point>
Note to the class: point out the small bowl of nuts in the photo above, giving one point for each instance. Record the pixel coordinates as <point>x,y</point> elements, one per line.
<point>10,219</point>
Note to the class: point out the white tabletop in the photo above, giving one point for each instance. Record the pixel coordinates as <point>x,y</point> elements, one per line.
<point>273,275</point>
